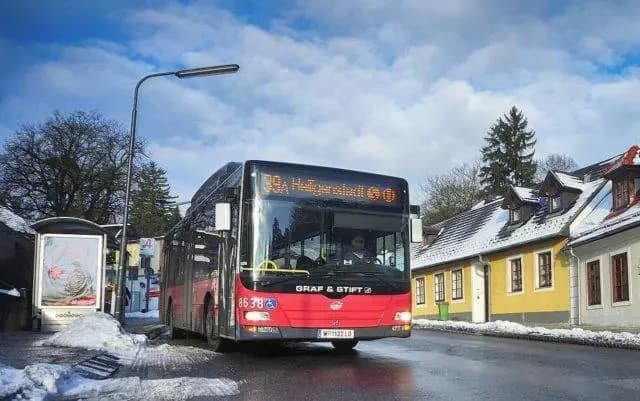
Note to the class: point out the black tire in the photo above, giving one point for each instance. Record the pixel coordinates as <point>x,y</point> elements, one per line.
<point>216,343</point>
<point>344,345</point>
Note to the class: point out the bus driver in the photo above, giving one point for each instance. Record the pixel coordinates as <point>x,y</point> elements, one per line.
<point>358,254</point>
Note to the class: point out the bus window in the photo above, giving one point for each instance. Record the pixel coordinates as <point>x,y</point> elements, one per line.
<point>205,259</point>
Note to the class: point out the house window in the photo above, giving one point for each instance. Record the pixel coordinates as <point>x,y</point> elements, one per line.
<point>620,278</point>
<point>420,291</point>
<point>544,270</point>
<point>593,282</point>
<point>515,215</point>
<point>620,194</point>
<point>438,280</point>
<point>456,284</point>
<point>516,275</point>
<point>555,203</point>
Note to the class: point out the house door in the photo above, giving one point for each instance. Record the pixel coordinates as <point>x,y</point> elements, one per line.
<point>479,305</point>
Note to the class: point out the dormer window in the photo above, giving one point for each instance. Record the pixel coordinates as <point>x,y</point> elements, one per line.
<point>624,174</point>
<point>620,194</point>
<point>520,203</point>
<point>515,216</point>
<point>555,203</point>
<point>561,190</point>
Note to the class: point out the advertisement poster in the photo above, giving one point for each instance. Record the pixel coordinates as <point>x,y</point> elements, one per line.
<point>70,270</point>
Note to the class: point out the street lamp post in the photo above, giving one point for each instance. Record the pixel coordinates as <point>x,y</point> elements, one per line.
<point>190,73</point>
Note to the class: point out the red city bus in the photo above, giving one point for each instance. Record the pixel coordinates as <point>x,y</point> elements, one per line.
<point>277,251</point>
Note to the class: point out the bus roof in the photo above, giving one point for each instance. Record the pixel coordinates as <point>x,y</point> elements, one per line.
<point>334,169</point>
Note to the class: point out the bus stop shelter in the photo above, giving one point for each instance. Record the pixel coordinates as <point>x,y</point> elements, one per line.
<point>69,273</point>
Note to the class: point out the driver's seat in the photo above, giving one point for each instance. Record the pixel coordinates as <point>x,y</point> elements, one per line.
<point>304,262</point>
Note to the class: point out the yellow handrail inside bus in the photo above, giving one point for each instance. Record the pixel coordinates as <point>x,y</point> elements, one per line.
<point>268,264</point>
<point>272,267</point>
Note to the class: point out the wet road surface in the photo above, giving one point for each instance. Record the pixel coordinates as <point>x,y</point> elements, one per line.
<point>428,366</point>
<point>21,348</point>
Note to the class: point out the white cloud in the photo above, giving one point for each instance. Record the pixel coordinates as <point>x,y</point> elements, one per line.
<point>407,88</point>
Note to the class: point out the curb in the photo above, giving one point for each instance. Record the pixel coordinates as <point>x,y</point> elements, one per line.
<point>539,337</point>
<point>155,331</point>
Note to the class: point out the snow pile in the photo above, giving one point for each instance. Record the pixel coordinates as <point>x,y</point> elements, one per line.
<point>46,381</point>
<point>149,314</point>
<point>97,331</point>
<point>511,329</point>
<point>35,382</point>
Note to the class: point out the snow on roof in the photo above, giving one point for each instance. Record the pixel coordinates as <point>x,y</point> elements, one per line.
<point>14,222</point>
<point>526,194</point>
<point>596,224</point>
<point>629,158</point>
<point>568,180</point>
<point>486,229</point>
<point>595,171</point>
<point>478,205</point>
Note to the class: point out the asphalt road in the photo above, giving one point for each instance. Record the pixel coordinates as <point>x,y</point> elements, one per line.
<point>428,366</point>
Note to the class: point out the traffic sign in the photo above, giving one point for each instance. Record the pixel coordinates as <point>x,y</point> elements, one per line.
<point>147,246</point>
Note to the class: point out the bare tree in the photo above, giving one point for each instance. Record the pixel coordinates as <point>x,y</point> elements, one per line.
<point>70,165</point>
<point>446,195</point>
<point>556,162</point>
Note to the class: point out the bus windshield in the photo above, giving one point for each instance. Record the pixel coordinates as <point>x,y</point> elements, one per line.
<point>316,229</point>
<point>310,240</point>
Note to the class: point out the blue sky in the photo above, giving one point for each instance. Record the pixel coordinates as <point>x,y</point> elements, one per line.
<point>406,88</point>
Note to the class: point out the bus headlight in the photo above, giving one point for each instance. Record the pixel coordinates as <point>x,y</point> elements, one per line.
<point>403,316</point>
<point>256,316</point>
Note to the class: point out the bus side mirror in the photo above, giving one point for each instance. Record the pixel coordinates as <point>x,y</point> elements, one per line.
<point>416,230</point>
<point>223,217</point>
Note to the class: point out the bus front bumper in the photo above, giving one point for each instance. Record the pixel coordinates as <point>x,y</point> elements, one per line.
<point>248,333</point>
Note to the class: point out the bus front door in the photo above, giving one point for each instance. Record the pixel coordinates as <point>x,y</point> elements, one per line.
<point>226,311</point>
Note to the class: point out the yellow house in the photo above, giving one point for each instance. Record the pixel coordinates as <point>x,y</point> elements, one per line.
<point>504,259</point>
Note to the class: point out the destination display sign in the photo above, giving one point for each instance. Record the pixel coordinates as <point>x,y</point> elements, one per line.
<point>349,189</point>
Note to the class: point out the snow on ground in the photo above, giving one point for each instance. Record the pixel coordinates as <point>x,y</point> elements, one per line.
<point>133,388</point>
<point>169,357</point>
<point>500,327</point>
<point>46,381</point>
<point>100,331</point>
<point>34,382</point>
<point>97,331</point>
<point>148,315</point>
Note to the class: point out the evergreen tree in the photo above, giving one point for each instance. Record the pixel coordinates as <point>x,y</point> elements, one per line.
<point>153,211</point>
<point>508,154</point>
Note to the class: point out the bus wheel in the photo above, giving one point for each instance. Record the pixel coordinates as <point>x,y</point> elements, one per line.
<point>216,343</point>
<point>344,346</point>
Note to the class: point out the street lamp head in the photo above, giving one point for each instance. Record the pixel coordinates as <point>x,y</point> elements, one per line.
<point>214,70</point>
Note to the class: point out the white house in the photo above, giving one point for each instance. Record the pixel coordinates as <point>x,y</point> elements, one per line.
<point>606,249</point>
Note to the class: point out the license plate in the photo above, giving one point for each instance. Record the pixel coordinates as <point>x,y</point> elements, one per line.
<point>335,333</point>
